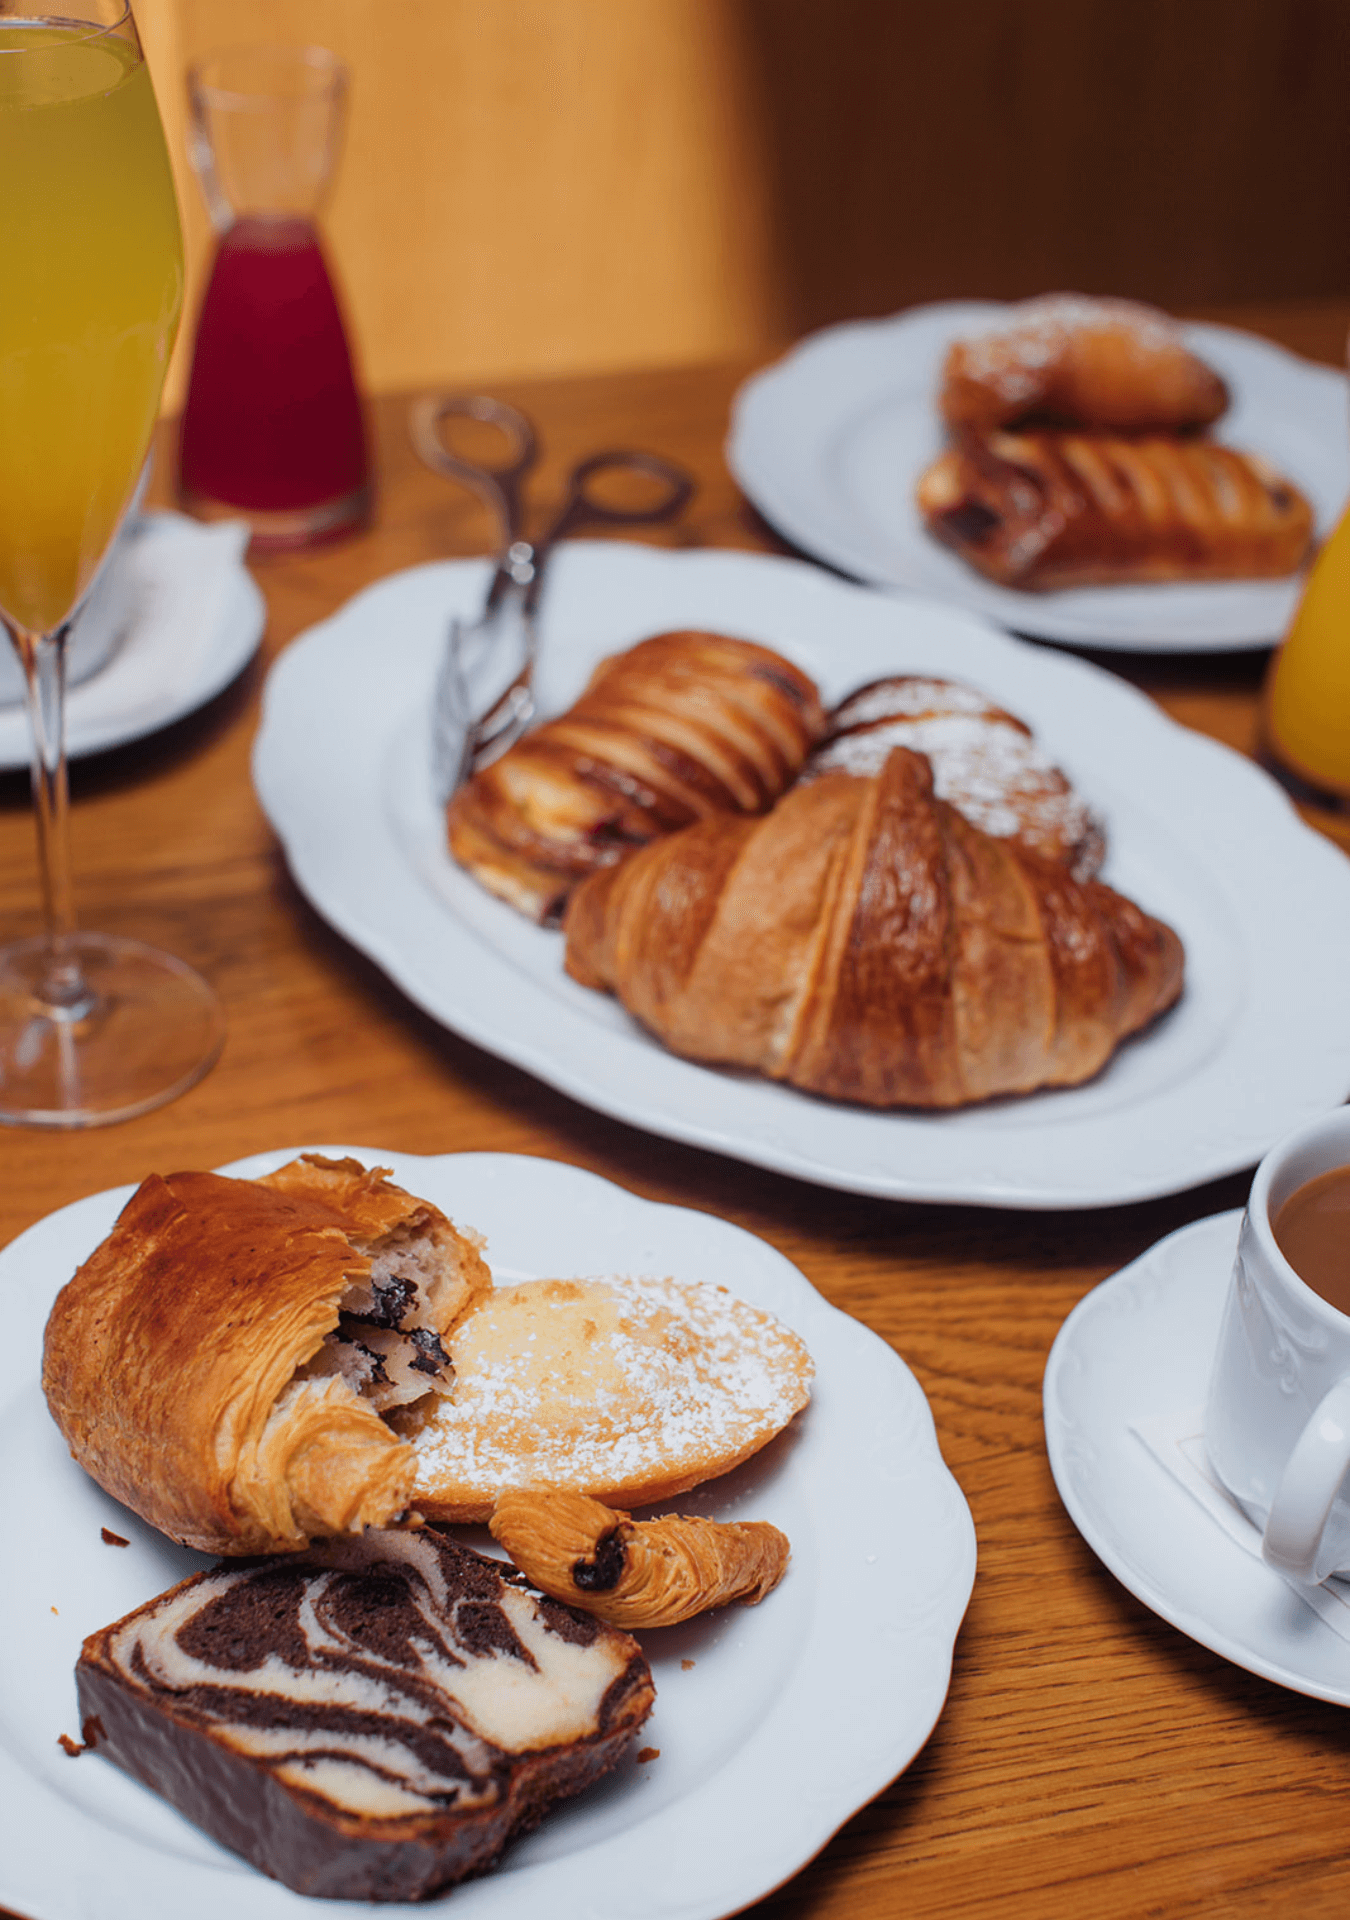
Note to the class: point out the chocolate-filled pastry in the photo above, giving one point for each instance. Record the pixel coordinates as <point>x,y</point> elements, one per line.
<point>985,761</point>
<point>1070,510</point>
<point>865,942</point>
<point>222,1362</point>
<point>1067,360</point>
<point>680,726</point>
<point>372,1720</point>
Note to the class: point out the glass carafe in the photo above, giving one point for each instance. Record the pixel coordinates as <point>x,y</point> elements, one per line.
<point>273,427</point>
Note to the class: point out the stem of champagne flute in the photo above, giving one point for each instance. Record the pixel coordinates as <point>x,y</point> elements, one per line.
<point>43,658</point>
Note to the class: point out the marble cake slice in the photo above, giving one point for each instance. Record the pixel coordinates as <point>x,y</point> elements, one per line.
<point>373,1719</point>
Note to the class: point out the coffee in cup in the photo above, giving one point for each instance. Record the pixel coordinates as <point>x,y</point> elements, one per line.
<point>1277,1421</point>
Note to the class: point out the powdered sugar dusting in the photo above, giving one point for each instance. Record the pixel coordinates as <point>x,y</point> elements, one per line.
<point>605,1386</point>
<point>1011,355</point>
<point>985,762</point>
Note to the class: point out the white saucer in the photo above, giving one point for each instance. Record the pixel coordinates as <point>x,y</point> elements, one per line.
<point>1137,1349</point>
<point>195,617</point>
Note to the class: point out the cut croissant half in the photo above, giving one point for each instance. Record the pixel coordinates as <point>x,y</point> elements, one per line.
<point>223,1360</point>
<point>864,941</point>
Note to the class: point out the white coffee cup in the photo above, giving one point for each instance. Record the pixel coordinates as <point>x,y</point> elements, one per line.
<point>1277,1423</point>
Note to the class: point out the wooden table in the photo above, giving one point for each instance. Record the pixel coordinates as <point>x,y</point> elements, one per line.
<point>1090,1760</point>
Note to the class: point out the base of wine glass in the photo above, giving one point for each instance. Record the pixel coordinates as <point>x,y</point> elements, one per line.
<point>146,1028</point>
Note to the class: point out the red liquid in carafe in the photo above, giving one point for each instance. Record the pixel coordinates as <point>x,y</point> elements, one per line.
<point>273,421</point>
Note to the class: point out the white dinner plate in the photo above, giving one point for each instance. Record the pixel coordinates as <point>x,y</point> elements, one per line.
<point>773,1723</point>
<point>191,617</point>
<point>1198,835</point>
<point>1135,1351</point>
<point>830,441</point>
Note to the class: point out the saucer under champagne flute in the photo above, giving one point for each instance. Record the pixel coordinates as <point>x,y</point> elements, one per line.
<point>93,1027</point>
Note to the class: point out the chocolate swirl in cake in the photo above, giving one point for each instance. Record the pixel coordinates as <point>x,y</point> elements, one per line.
<point>372,1719</point>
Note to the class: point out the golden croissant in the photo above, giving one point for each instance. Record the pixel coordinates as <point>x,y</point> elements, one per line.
<point>1067,510</point>
<point>866,942</point>
<point>1070,361</point>
<point>223,1360</point>
<point>681,725</point>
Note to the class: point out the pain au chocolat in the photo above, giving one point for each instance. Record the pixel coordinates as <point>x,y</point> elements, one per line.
<point>680,726</point>
<point>1047,510</point>
<point>1067,360</point>
<point>864,941</point>
<point>223,1362</point>
<point>372,1720</point>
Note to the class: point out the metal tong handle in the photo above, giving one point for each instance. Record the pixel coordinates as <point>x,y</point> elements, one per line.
<point>513,710</point>
<point>499,487</point>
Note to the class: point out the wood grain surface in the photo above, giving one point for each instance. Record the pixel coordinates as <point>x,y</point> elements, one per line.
<point>1091,1760</point>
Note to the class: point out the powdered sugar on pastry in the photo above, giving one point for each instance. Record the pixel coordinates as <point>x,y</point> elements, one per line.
<point>630,1390</point>
<point>986,763</point>
<point>1011,355</point>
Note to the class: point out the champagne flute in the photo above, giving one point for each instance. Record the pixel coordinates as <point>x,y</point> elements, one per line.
<point>93,1028</point>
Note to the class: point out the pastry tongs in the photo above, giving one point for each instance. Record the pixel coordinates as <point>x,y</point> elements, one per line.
<point>484,696</point>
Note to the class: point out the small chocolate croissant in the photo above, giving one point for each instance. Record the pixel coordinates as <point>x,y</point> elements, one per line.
<point>222,1361</point>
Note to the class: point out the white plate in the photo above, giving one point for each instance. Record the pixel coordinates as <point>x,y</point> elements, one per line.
<point>792,1716</point>
<point>830,441</point>
<point>193,619</point>
<point>1139,1348</point>
<point>1260,1042</point>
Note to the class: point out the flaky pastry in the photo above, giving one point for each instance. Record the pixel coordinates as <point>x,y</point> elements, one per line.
<point>1069,360</point>
<point>986,762</point>
<point>637,1573</point>
<point>681,725</point>
<point>866,942</point>
<point>1049,510</point>
<point>222,1360</point>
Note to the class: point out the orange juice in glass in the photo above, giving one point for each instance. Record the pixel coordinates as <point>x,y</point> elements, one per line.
<point>91,1028</point>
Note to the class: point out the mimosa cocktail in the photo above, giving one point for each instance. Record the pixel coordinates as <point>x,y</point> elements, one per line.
<point>93,285</point>
<point>91,1028</point>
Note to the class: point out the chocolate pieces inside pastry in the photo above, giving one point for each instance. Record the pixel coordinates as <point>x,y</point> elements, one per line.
<point>865,942</point>
<point>222,1361</point>
<point>1046,510</point>
<point>372,1720</point>
<point>1067,360</point>
<point>681,725</point>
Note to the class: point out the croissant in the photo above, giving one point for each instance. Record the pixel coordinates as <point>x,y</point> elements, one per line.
<point>1067,510</point>
<point>1069,361</point>
<point>866,942</point>
<point>681,725</point>
<point>221,1361</point>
